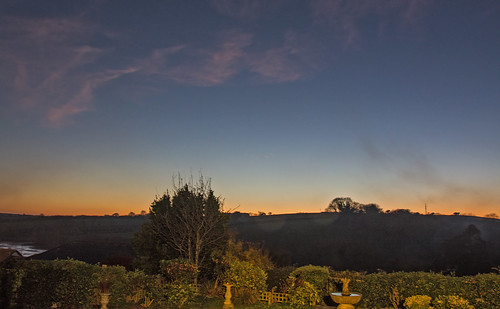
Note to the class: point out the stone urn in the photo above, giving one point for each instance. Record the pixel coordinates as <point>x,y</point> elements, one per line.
<point>105,300</point>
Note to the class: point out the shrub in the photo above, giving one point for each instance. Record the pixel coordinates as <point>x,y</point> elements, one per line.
<point>315,275</point>
<point>135,288</point>
<point>418,302</point>
<point>276,277</point>
<point>67,283</point>
<point>244,274</point>
<point>10,281</point>
<point>179,293</point>
<point>178,270</point>
<point>303,295</point>
<point>248,280</point>
<point>483,290</point>
<point>451,302</point>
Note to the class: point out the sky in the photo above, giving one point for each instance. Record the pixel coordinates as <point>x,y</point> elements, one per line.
<point>284,105</point>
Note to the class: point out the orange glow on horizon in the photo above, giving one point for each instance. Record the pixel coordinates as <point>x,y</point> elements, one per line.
<point>108,205</point>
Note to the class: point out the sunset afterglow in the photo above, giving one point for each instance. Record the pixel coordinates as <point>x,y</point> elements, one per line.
<point>285,105</point>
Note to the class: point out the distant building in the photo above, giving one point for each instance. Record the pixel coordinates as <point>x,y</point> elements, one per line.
<point>9,254</point>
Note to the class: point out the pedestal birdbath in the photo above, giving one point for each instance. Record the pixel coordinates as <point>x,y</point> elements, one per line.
<point>345,299</point>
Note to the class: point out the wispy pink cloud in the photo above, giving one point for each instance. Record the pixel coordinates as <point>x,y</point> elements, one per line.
<point>275,65</point>
<point>294,59</point>
<point>81,100</point>
<point>44,66</point>
<point>200,67</point>
<point>234,54</point>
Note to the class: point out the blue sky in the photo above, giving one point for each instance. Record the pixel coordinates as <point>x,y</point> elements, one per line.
<point>285,105</point>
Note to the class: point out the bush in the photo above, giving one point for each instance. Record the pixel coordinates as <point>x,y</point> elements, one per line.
<point>67,283</point>
<point>315,275</point>
<point>303,295</point>
<point>248,280</point>
<point>276,277</point>
<point>178,270</point>
<point>134,288</point>
<point>483,290</point>
<point>179,293</point>
<point>418,302</point>
<point>451,302</point>
<point>10,282</point>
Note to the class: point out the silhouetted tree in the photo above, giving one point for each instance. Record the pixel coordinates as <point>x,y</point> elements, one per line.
<point>371,209</point>
<point>343,205</point>
<point>400,212</point>
<point>191,224</point>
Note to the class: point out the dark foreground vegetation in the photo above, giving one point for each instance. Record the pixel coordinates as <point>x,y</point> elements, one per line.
<point>186,251</point>
<point>75,284</point>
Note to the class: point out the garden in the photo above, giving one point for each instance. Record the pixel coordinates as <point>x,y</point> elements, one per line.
<point>75,284</point>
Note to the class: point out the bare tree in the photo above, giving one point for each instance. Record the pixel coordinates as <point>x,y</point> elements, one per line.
<point>191,223</point>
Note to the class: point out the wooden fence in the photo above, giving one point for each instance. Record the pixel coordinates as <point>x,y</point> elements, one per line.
<point>272,297</point>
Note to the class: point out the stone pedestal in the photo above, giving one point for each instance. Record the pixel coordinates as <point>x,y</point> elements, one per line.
<point>105,300</point>
<point>227,301</point>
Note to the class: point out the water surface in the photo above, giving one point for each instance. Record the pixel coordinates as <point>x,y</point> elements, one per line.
<point>26,249</point>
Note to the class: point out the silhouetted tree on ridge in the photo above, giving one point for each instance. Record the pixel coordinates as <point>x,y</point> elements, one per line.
<point>346,205</point>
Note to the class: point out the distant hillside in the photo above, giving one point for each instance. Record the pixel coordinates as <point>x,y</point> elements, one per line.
<point>364,242</point>
<point>109,253</point>
<point>53,231</point>
<point>369,242</point>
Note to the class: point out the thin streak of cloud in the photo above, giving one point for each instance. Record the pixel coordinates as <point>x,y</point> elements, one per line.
<point>412,168</point>
<point>81,101</point>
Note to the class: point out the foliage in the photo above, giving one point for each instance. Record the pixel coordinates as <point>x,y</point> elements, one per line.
<point>343,205</point>
<point>482,291</point>
<point>250,252</point>
<point>67,283</point>
<point>302,293</point>
<point>418,302</point>
<point>179,293</point>
<point>277,277</point>
<point>244,274</point>
<point>190,224</point>
<point>10,281</point>
<point>346,205</point>
<point>451,302</point>
<point>315,275</point>
<point>180,275</point>
<point>248,280</point>
<point>134,288</point>
<point>149,249</point>
<point>178,270</point>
